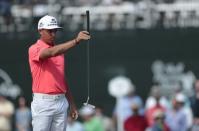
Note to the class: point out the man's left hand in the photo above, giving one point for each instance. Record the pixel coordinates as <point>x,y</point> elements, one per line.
<point>74,113</point>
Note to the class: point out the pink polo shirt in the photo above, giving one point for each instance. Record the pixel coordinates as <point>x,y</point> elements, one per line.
<point>48,75</point>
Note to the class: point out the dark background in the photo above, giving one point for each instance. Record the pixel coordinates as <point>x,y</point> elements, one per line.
<point>112,53</point>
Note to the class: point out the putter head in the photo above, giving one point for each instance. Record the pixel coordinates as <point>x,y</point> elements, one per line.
<point>89,105</point>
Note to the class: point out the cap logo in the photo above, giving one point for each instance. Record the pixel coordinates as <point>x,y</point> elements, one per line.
<point>41,24</point>
<point>53,21</point>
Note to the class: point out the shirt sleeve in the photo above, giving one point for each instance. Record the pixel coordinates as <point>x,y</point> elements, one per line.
<point>34,53</point>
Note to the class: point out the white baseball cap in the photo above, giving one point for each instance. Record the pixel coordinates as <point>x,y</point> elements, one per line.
<point>180,97</point>
<point>86,110</point>
<point>48,22</point>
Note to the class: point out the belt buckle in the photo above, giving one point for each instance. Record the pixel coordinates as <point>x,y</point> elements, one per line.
<point>57,97</point>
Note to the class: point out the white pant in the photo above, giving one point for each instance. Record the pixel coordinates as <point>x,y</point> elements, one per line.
<point>49,112</point>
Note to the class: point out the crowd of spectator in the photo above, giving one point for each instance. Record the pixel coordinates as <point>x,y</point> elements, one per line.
<point>85,2</point>
<point>158,113</point>
<point>20,15</point>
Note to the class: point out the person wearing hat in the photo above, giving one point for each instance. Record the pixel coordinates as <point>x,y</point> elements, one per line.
<point>136,122</point>
<point>91,122</point>
<point>51,94</point>
<point>123,110</point>
<point>176,118</point>
<point>159,122</point>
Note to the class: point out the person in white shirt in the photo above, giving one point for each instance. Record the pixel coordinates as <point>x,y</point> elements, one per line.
<point>73,125</point>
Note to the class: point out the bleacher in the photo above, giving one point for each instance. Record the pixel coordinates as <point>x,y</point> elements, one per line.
<point>128,15</point>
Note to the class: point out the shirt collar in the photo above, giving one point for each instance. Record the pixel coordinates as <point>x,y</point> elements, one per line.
<point>41,42</point>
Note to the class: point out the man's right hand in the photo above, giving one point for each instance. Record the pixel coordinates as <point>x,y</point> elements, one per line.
<point>62,48</point>
<point>83,35</point>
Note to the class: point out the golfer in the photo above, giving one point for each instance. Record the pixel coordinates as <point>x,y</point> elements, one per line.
<point>51,94</point>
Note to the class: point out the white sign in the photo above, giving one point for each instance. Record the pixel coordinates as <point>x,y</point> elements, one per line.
<point>119,86</point>
<point>171,76</point>
<point>7,88</point>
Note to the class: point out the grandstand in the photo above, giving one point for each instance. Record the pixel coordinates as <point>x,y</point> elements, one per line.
<point>19,16</point>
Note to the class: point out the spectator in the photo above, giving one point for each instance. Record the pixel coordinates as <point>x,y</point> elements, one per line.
<point>187,109</point>
<point>73,125</point>
<point>6,112</point>
<point>156,94</point>
<point>91,122</point>
<point>5,10</point>
<point>176,118</point>
<point>23,2</point>
<point>86,2</point>
<point>106,121</point>
<point>111,2</point>
<point>195,107</point>
<point>159,122</point>
<point>124,110</point>
<point>152,109</point>
<point>136,122</point>
<point>23,116</point>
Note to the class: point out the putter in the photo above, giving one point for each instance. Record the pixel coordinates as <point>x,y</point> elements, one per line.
<point>87,104</point>
<point>88,63</point>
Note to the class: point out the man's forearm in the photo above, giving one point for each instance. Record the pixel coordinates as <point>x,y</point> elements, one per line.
<point>70,99</point>
<point>57,49</point>
<point>62,48</point>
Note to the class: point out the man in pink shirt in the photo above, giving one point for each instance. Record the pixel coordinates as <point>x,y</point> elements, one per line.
<point>50,89</point>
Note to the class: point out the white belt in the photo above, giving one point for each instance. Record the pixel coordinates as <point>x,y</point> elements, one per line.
<point>48,96</point>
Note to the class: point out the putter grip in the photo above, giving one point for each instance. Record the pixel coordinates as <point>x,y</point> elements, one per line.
<point>88,21</point>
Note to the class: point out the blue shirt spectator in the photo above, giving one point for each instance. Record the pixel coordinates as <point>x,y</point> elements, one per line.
<point>23,116</point>
<point>5,8</point>
<point>176,118</point>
